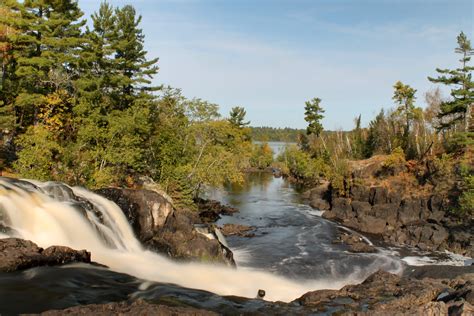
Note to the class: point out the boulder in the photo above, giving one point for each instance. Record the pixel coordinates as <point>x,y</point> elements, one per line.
<point>180,239</point>
<point>237,229</point>
<point>19,254</point>
<point>210,210</point>
<point>162,228</point>
<point>146,210</point>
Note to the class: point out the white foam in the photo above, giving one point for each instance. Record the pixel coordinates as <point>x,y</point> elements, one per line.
<point>451,260</point>
<point>46,221</point>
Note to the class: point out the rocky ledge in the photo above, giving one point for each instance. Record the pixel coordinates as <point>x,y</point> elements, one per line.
<point>18,254</point>
<point>387,294</point>
<point>178,233</point>
<point>395,208</point>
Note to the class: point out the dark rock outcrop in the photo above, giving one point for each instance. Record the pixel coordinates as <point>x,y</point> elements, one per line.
<point>19,254</point>
<point>211,210</point>
<point>416,220</point>
<point>237,229</point>
<point>386,294</point>
<point>161,227</point>
<point>354,242</point>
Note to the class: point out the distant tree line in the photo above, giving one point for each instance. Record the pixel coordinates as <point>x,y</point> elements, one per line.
<point>274,134</point>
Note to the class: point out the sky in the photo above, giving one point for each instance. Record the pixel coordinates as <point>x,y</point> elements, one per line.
<point>270,56</point>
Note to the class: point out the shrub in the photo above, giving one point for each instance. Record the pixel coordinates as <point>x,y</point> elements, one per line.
<point>262,156</point>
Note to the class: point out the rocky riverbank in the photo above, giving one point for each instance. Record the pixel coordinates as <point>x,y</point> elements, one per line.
<point>179,233</point>
<point>19,254</point>
<point>396,207</point>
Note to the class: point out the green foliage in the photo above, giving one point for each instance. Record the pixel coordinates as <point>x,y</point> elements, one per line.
<point>262,156</point>
<point>395,159</point>
<point>460,142</point>
<point>301,166</point>
<point>237,117</point>
<point>38,158</point>
<point>313,115</point>
<point>339,175</point>
<point>458,110</point>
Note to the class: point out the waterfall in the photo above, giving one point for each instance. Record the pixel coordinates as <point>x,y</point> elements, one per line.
<point>51,213</point>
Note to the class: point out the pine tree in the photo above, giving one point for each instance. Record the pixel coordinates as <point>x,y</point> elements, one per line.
<point>130,58</point>
<point>313,115</point>
<point>459,108</point>
<point>45,52</point>
<point>237,117</point>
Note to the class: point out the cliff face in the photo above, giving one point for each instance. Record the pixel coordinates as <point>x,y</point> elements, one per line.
<point>399,204</point>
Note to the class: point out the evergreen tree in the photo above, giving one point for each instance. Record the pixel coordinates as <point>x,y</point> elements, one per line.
<point>459,108</point>
<point>237,117</point>
<point>130,58</point>
<point>45,52</point>
<point>313,115</point>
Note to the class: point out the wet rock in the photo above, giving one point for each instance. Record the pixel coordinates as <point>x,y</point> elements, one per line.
<point>162,228</point>
<point>356,243</point>
<point>320,204</point>
<point>237,229</point>
<point>19,254</point>
<point>180,240</point>
<point>138,307</point>
<point>383,293</point>
<point>210,210</point>
<point>146,210</point>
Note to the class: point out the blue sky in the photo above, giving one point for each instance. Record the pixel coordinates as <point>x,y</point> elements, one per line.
<point>272,56</point>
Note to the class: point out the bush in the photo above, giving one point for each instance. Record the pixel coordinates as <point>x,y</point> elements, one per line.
<point>395,162</point>
<point>339,175</point>
<point>301,166</point>
<point>262,156</point>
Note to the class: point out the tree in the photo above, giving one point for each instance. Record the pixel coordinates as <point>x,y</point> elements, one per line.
<point>313,115</point>
<point>459,108</point>
<point>404,97</point>
<point>237,117</point>
<point>130,57</point>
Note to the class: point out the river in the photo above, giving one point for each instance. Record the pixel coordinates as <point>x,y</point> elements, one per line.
<point>292,252</point>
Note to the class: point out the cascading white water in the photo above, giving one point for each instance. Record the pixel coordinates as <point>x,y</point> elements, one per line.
<point>34,215</point>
